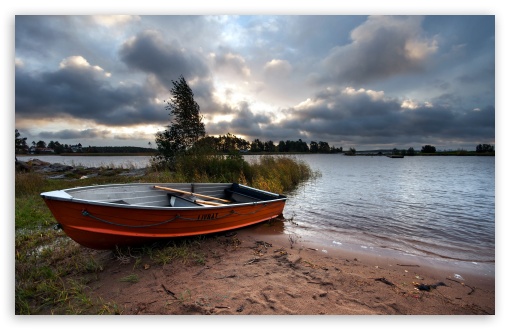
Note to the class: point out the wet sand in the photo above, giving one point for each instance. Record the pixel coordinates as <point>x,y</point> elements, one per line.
<point>260,271</point>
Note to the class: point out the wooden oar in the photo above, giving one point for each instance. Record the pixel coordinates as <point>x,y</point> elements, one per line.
<point>190,193</point>
<point>199,201</point>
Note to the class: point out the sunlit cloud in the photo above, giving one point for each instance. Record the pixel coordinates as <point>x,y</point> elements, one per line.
<point>409,104</point>
<point>413,104</point>
<point>374,95</point>
<point>231,63</point>
<point>76,61</point>
<point>18,62</point>
<point>112,20</point>
<point>80,62</point>
<point>278,68</point>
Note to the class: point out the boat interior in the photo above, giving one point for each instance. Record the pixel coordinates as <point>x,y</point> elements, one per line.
<point>173,195</point>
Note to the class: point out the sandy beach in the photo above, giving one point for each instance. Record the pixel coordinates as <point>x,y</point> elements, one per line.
<point>255,272</point>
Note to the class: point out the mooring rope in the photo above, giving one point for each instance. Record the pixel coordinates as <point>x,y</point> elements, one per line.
<point>87,214</point>
<point>177,216</point>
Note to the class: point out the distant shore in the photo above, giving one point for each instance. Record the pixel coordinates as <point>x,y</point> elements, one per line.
<point>78,154</point>
<point>89,154</point>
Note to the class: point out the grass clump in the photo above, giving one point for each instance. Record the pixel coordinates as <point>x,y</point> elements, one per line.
<point>52,273</point>
<point>203,167</point>
<point>185,251</point>
<point>279,174</point>
<point>131,278</point>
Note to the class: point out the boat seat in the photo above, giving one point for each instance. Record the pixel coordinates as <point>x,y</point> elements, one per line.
<point>179,201</point>
<point>255,194</point>
<point>239,197</point>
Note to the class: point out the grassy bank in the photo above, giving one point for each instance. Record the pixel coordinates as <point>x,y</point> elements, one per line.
<point>52,272</point>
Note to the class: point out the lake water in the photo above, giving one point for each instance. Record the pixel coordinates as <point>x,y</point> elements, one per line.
<point>435,208</point>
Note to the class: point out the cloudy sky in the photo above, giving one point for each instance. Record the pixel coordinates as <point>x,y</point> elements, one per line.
<point>350,80</point>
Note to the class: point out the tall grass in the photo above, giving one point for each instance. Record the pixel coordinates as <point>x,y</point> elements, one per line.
<point>201,167</point>
<point>278,174</point>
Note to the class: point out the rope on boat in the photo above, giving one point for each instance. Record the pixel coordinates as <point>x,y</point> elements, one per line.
<point>250,213</point>
<point>87,214</point>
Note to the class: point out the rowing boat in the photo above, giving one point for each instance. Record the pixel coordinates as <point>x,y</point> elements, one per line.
<point>108,216</point>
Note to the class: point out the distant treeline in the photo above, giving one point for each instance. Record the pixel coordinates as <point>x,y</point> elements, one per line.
<point>117,150</point>
<point>229,142</point>
<point>55,147</point>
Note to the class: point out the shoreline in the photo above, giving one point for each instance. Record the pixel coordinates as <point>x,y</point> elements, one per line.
<point>456,268</point>
<point>480,274</point>
<point>113,154</point>
<point>255,271</point>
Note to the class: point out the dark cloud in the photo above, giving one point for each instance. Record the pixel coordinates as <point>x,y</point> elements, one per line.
<point>246,118</point>
<point>39,35</point>
<point>149,52</point>
<point>381,47</point>
<point>83,91</point>
<point>68,134</point>
<point>373,118</point>
<point>245,122</point>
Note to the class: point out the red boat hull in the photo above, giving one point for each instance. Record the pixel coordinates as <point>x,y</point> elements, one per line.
<point>107,226</point>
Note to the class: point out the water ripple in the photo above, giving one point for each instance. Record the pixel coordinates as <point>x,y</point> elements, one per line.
<point>438,206</point>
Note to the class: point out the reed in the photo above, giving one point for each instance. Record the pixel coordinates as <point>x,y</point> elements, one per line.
<point>28,184</point>
<point>279,174</point>
<point>201,167</point>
